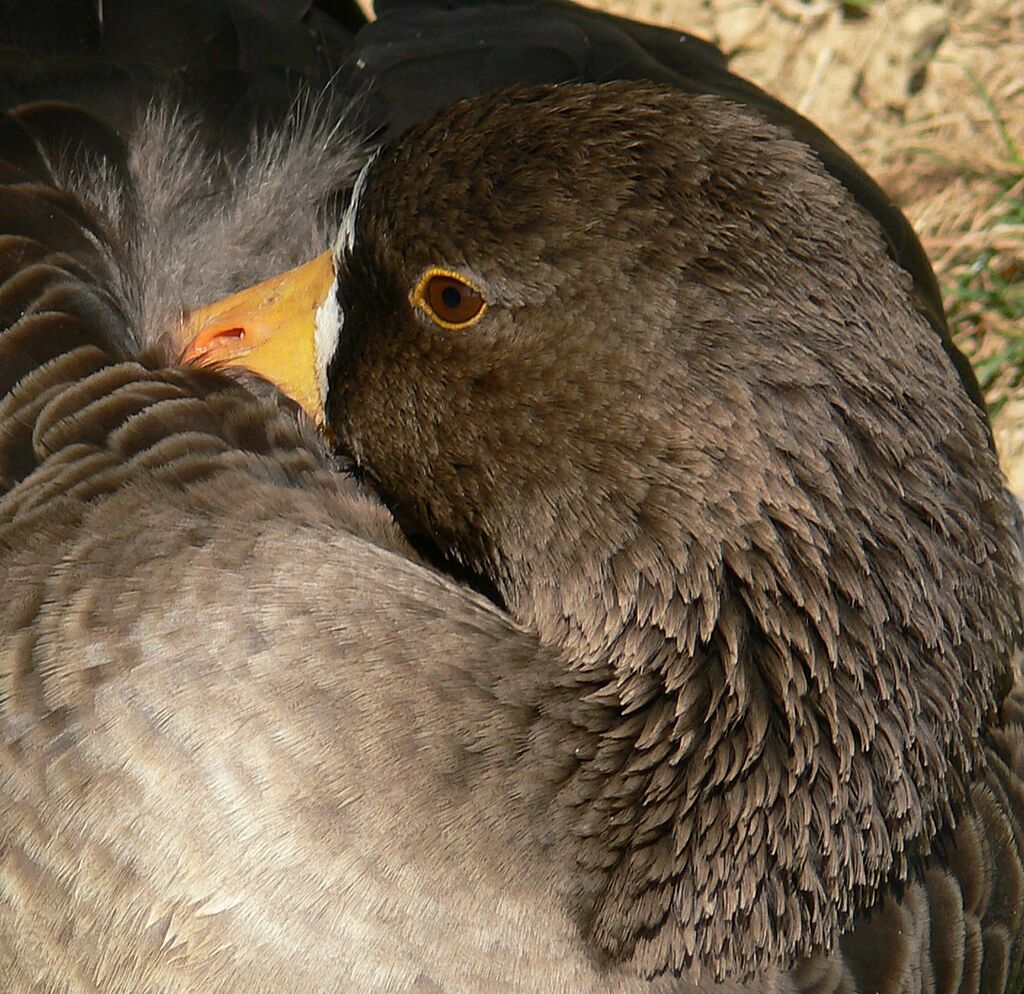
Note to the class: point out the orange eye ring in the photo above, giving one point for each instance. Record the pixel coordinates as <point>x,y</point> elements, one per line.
<point>448,299</point>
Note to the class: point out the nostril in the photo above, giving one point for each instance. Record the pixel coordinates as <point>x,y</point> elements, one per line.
<point>215,343</point>
<point>228,335</point>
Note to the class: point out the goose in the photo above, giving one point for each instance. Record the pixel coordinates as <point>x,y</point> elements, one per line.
<point>644,620</point>
<point>713,457</point>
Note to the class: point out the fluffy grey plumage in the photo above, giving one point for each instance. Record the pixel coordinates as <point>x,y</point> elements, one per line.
<point>189,223</point>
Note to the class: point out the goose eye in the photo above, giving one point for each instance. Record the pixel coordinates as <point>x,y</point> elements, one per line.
<point>448,300</point>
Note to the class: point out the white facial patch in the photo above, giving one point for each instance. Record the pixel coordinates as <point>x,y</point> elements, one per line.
<point>329,319</point>
<point>329,316</point>
<point>345,241</point>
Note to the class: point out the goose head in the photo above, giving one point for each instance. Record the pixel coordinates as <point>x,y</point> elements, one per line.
<point>634,361</point>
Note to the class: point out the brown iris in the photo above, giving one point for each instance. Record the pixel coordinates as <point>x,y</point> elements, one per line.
<point>448,300</point>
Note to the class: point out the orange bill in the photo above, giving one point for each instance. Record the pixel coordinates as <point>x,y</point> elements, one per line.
<point>270,329</point>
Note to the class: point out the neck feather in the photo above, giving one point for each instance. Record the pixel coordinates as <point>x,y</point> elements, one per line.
<point>772,724</point>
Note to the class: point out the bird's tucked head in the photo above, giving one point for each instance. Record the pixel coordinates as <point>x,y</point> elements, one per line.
<point>634,359</point>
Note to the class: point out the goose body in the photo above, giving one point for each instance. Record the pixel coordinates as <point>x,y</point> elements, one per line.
<point>740,710</point>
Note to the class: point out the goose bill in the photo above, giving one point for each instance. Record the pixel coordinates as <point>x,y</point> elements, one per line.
<point>270,329</point>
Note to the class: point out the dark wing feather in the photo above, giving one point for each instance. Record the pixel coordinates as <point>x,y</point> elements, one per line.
<point>241,62</point>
